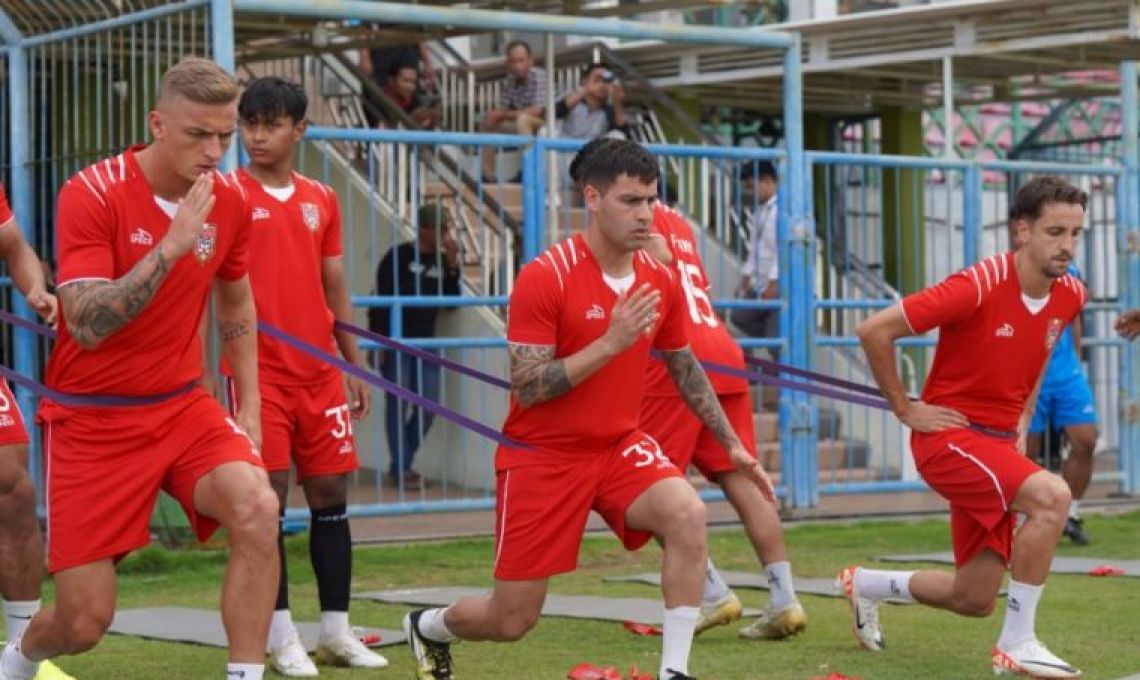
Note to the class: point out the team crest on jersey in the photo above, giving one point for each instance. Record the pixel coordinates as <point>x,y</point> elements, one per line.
<point>311,214</point>
<point>206,242</point>
<point>1053,332</point>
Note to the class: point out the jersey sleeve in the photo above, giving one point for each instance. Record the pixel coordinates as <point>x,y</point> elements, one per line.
<point>5,209</point>
<point>84,227</point>
<point>332,244</point>
<point>951,301</point>
<point>674,331</point>
<point>535,305</point>
<point>236,264</point>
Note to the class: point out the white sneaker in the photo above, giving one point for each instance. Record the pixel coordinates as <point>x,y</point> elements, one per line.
<point>347,651</point>
<point>291,659</point>
<point>1033,659</point>
<point>867,629</point>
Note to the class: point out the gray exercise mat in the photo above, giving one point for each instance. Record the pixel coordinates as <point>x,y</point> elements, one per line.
<point>204,627</point>
<point>1061,564</point>
<point>824,587</point>
<point>567,606</point>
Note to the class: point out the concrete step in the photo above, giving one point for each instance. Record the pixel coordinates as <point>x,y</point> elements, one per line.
<point>833,455</point>
<point>768,425</point>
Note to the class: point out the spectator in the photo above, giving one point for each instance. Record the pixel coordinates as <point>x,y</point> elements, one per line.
<point>427,267</point>
<point>595,108</point>
<point>376,63</point>
<point>401,89</point>
<point>522,102</point>
<point>760,273</point>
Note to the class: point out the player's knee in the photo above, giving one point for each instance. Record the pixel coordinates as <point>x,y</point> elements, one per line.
<point>84,630</point>
<point>515,626</point>
<point>17,495</point>
<point>13,476</point>
<point>690,517</point>
<point>975,605</point>
<point>254,517</point>
<point>1049,499</point>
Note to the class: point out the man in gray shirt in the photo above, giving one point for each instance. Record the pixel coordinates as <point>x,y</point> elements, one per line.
<point>587,112</point>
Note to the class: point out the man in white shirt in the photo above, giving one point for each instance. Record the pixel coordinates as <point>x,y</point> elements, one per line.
<point>760,273</point>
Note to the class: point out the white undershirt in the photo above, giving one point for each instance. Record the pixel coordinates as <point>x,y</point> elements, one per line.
<point>168,207</point>
<point>619,285</point>
<point>280,193</point>
<point>1034,305</point>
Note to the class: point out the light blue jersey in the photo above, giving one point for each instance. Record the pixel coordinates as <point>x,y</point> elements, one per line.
<point>1065,397</point>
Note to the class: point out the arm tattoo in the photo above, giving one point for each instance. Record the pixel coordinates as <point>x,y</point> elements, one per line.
<point>698,394</point>
<point>232,330</point>
<point>97,309</point>
<point>536,376</point>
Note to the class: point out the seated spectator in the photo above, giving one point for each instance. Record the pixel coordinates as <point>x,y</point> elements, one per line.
<point>522,101</point>
<point>595,108</point>
<point>401,89</point>
<point>376,63</point>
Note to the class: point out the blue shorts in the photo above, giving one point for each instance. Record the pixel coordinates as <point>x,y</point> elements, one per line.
<point>1064,404</point>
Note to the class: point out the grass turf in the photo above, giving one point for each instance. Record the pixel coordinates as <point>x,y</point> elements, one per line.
<point>1089,621</point>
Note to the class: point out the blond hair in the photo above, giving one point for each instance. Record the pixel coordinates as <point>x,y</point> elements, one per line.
<point>198,80</point>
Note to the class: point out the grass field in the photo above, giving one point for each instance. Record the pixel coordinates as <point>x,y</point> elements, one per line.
<point>1092,622</point>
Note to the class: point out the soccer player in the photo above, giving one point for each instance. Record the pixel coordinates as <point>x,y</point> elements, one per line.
<point>583,318</point>
<point>296,269</point>
<point>685,439</point>
<point>21,545</point>
<point>141,238</point>
<point>998,320</point>
<point>1066,403</point>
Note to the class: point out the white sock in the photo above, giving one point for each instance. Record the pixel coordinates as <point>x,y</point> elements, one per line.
<point>334,625</point>
<point>18,616</point>
<point>1075,509</point>
<point>781,587</point>
<point>432,627</point>
<point>280,628</point>
<point>1020,614</point>
<point>677,639</point>
<point>15,666</point>
<point>875,584</point>
<point>244,671</point>
<point>715,587</point>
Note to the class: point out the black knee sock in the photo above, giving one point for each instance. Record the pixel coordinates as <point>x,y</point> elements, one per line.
<point>330,549</point>
<point>283,584</point>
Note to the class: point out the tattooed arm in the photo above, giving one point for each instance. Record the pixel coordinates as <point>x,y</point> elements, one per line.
<point>237,328</point>
<point>697,391</point>
<point>95,310</point>
<point>698,394</point>
<point>536,376</point>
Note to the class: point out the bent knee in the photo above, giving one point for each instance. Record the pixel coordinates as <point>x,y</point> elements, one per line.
<point>975,606</point>
<point>1047,495</point>
<point>255,514</point>
<point>514,627</point>
<point>83,631</point>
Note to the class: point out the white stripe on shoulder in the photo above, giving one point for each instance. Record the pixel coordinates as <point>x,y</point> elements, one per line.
<point>110,171</point>
<point>122,167</point>
<point>222,176</point>
<point>562,255</point>
<point>553,264</point>
<point>1004,266</point>
<point>95,172</point>
<point>986,273</point>
<point>977,284</point>
<point>91,188</point>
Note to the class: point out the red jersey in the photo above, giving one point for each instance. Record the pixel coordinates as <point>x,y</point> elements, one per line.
<point>991,346</point>
<point>5,209</point>
<point>288,241</point>
<point>562,299</point>
<point>708,337</point>
<point>107,219</point>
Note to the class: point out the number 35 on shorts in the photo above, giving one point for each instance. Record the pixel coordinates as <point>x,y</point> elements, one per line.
<point>645,453</point>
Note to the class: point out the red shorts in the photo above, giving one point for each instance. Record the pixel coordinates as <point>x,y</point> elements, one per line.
<point>309,424</point>
<point>12,430</point>
<point>980,476</point>
<point>685,439</point>
<point>105,467</point>
<point>541,507</point>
